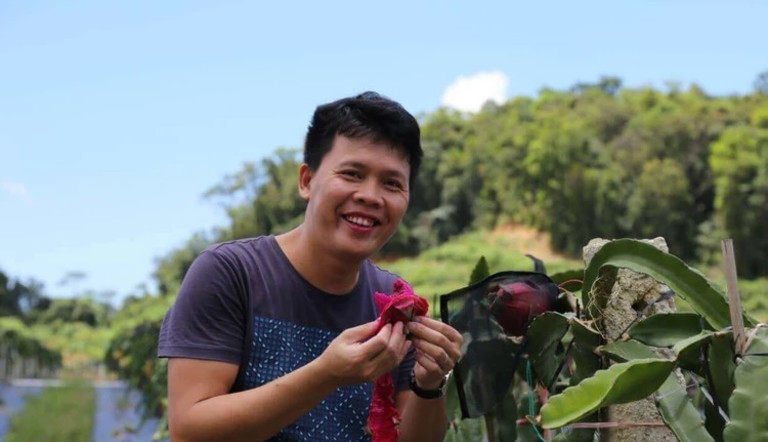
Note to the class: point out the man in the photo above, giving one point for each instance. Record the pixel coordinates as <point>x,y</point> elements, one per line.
<point>271,338</point>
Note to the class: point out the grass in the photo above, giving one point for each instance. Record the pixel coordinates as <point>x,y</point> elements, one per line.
<point>58,414</point>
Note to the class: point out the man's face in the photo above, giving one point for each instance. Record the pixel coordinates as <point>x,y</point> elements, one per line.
<point>356,197</point>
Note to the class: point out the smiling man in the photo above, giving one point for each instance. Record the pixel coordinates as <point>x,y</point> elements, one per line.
<point>272,338</point>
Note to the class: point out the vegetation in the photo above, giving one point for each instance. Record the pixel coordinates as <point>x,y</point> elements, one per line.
<point>61,414</point>
<point>565,369</point>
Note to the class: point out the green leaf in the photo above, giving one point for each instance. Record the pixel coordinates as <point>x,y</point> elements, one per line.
<point>689,351</point>
<point>586,361</point>
<point>713,421</point>
<point>705,298</point>
<point>721,366</point>
<point>544,335</point>
<point>619,384</point>
<point>749,402</point>
<point>666,329</point>
<point>622,351</point>
<point>575,279</point>
<point>673,403</point>
<point>679,414</point>
<point>480,271</point>
<point>584,334</point>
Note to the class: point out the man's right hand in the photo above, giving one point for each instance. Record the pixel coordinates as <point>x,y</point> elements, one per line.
<point>355,356</point>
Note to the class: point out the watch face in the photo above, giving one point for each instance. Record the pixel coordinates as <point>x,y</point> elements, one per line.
<point>444,386</point>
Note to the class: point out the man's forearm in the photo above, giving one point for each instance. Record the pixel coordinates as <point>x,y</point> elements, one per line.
<point>423,419</point>
<point>254,414</point>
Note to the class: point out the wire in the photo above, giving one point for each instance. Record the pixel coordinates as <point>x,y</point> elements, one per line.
<point>531,400</point>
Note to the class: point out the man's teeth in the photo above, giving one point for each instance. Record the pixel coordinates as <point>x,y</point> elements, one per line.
<point>367,222</point>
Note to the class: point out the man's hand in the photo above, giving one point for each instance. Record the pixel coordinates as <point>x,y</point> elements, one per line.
<point>355,356</point>
<point>438,349</point>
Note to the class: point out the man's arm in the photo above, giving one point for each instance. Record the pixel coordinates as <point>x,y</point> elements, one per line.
<point>424,420</point>
<point>438,348</point>
<point>200,408</point>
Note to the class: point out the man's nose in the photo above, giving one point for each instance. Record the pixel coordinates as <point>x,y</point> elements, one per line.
<point>369,193</point>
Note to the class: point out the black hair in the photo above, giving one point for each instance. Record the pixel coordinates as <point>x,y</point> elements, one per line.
<point>368,115</point>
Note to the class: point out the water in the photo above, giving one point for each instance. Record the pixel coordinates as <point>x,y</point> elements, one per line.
<point>118,415</point>
<point>13,401</point>
<point>118,409</point>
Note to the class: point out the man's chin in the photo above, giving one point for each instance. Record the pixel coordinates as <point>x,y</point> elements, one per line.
<point>355,250</point>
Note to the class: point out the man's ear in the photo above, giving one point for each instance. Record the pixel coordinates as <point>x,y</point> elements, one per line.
<point>305,178</point>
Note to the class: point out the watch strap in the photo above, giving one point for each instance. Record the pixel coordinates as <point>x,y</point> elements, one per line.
<point>427,394</point>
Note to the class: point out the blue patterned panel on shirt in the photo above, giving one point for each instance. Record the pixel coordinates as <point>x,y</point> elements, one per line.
<point>280,347</point>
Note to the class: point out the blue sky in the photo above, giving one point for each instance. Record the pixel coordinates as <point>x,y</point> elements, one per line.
<point>115,117</point>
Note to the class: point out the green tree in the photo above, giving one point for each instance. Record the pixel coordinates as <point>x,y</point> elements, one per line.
<point>740,163</point>
<point>661,204</point>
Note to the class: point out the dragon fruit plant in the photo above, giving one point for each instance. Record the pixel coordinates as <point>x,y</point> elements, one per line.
<point>535,366</point>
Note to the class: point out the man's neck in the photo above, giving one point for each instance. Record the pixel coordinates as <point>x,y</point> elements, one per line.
<point>329,273</point>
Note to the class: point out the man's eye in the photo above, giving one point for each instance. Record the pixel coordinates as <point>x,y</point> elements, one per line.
<point>351,173</point>
<point>394,184</point>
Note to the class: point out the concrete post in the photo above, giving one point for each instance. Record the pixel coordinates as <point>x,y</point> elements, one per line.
<point>631,291</point>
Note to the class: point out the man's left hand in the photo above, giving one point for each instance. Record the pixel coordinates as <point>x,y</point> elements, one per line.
<point>438,349</point>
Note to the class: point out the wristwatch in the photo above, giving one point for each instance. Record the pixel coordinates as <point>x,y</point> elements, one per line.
<point>430,394</point>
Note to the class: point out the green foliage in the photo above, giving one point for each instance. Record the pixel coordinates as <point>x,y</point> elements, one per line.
<point>739,162</point>
<point>666,329</point>
<point>17,298</point>
<point>721,363</point>
<point>623,351</point>
<point>621,383</point>
<point>749,403</point>
<point>674,405</point>
<point>83,310</point>
<point>480,271</point>
<point>132,352</point>
<point>545,333</point>
<point>564,349</point>
<point>17,339</point>
<point>679,414</point>
<point>58,414</point>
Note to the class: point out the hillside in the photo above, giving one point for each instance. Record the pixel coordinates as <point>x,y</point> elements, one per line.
<point>445,268</point>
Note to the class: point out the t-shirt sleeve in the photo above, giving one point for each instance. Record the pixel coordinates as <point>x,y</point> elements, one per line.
<point>207,319</point>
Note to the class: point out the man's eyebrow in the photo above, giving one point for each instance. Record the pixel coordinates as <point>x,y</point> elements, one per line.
<point>389,172</point>
<point>354,164</point>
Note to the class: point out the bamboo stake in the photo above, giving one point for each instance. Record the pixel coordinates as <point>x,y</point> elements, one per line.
<point>734,301</point>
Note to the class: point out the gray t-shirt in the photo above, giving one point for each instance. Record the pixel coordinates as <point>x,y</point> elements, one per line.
<point>243,302</point>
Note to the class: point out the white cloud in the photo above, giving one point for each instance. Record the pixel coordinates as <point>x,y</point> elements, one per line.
<point>469,94</point>
<point>14,189</point>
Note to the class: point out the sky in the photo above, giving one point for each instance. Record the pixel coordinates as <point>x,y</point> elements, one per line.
<point>115,117</point>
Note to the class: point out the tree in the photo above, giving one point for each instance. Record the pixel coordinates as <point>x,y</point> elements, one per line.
<point>761,83</point>
<point>740,163</point>
<point>18,299</point>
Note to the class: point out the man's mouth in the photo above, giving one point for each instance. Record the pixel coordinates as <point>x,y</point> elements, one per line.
<point>361,221</point>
